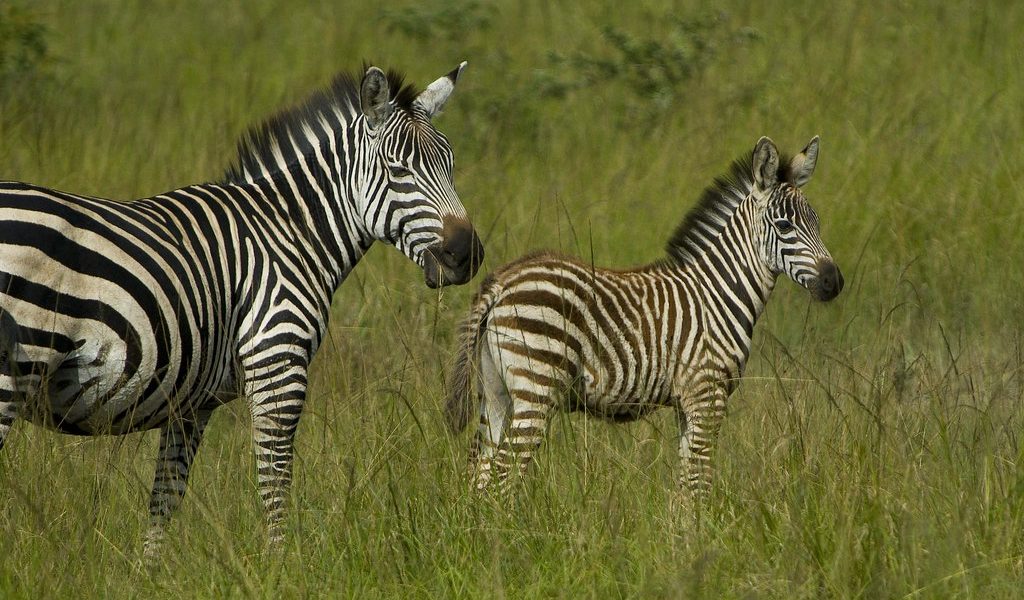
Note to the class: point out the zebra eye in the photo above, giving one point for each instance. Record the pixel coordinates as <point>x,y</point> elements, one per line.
<point>399,171</point>
<point>783,226</point>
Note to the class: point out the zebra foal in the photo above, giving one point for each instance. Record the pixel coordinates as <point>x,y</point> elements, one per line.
<point>550,332</point>
<point>148,314</point>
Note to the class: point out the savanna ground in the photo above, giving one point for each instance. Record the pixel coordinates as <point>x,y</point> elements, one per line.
<point>875,448</point>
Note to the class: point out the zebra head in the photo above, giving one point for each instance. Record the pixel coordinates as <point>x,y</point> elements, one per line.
<point>410,200</point>
<point>791,242</point>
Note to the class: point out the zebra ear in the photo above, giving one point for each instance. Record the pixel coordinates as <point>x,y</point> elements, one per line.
<point>802,166</point>
<point>766,163</point>
<point>375,96</point>
<point>433,99</point>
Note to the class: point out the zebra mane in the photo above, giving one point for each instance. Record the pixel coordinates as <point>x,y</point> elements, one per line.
<point>260,143</point>
<point>715,208</point>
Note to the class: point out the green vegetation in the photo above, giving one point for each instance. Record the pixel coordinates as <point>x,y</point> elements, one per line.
<point>876,450</point>
<point>22,41</point>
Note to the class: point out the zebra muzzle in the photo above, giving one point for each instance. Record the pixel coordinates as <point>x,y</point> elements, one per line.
<point>456,258</point>
<point>829,282</point>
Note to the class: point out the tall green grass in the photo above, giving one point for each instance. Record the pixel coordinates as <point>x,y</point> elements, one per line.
<point>874,450</point>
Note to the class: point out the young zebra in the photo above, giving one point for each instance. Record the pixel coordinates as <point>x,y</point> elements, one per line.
<point>548,331</point>
<point>127,316</point>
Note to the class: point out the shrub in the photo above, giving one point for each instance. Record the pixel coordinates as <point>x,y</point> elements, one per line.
<point>654,69</point>
<point>450,21</point>
<point>23,41</point>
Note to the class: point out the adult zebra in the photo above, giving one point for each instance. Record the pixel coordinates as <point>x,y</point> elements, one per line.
<point>549,331</point>
<point>125,316</point>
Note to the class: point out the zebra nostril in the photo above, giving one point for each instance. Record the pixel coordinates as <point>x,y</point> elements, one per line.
<point>449,258</point>
<point>460,248</point>
<point>830,280</point>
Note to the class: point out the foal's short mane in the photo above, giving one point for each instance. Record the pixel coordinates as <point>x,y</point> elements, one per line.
<point>259,144</point>
<point>713,211</point>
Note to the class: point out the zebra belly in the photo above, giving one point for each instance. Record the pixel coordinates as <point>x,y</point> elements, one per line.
<point>623,396</point>
<point>576,381</point>
<point>619,410</point>
<point>94,391</point>
<point>78,375</point>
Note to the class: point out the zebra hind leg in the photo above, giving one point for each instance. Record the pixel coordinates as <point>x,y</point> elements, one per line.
<point>495,409</point>
<point>10,404</point>
<point>10,409</point>
<point>179,441</point>
<point>531,403</point>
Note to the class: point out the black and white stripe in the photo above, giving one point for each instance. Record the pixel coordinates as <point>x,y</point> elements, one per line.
<point>126,316</point>
<point>552,332</point>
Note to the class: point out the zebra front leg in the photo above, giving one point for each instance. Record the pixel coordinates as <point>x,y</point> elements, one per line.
<point>699,423</point>
<point>276,397</point>
<point>179,441</point>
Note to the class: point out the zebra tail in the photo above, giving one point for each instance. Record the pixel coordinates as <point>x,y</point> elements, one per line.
<point>459,408</point>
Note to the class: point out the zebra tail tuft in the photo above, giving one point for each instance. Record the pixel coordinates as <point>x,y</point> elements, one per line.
<point>459,408</point>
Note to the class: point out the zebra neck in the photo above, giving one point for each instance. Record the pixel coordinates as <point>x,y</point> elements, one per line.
<point>736,285</point>
<point>307,207</point>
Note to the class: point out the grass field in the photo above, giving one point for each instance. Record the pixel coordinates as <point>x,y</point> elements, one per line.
<point>875,450</point>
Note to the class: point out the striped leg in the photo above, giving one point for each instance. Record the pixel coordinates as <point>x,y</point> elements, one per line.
<point>10,404</point>
<point>699,422</point>
<point>179,441</point>
<point>531,403</point>
<point>276,396</point>
<point>495,408</point>
<point>9,411</point>
<point>16,391</point>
